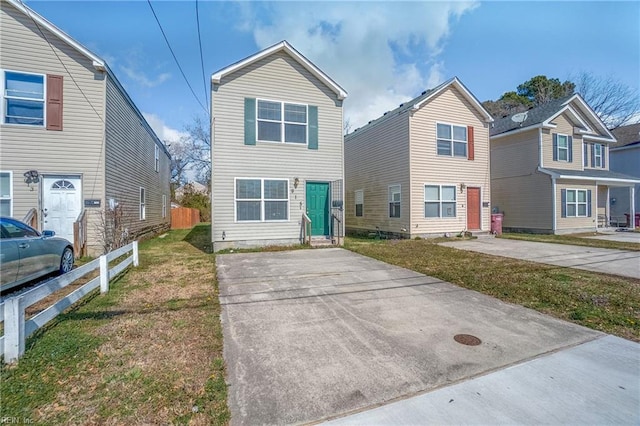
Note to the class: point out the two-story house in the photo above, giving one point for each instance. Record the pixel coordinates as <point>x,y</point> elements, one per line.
<point>550,169</point>
<point>421,169</point>
<point>624,157</point>
<point>277,151</point>
<point>75,151</point>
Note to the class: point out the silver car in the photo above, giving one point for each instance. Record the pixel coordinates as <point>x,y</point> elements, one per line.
<point>26,254</point>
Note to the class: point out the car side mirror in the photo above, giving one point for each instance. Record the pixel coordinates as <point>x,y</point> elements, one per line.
<point>47,233</point>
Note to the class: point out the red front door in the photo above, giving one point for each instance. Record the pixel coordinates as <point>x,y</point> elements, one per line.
<point>473,208</point>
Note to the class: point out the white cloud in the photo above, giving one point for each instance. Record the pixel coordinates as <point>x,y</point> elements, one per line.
<point>140,78</point>
<point>164,132</point>
<point>382,53</point>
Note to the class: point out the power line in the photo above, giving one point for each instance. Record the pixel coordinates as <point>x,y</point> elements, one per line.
<point>176,59</point>
<point>204,79</point>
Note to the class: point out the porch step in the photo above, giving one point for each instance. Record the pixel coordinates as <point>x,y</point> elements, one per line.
<point>321,242</point>
<point>482,234</point>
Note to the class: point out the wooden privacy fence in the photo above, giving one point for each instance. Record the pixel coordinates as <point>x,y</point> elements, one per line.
<point>12,310</point>
<point>184,218</point>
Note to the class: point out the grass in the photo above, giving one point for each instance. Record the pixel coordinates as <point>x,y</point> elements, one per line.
<point>574,239</point>
<point>601,302</point>
<point>149,351</point>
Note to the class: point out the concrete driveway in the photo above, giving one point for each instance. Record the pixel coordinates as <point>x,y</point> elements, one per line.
<point>608,261</point>
<point>625,237</point>
<point>313,334</point>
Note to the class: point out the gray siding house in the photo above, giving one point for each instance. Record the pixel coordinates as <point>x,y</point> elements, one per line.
<point>550,169</point>
<point>421,169</point>
<point>277,151</point>
<point>75,152</point>
<point>624,157</point>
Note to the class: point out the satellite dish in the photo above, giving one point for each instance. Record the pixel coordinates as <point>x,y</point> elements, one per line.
<point>519,118</point>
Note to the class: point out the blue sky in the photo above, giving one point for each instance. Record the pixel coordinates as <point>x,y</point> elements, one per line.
<point>382,53</point>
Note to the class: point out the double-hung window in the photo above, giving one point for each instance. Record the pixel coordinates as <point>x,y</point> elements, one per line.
<point>576,203</point>
<point>359,201</point>
<point>6,194</point>
<point>143,203</point>
<point>439,201</point>
<point>282,122</point>
<point>262,200</point>
<point>598,152</point>
<point>563,148</point>
<point>24,98</point>
<point>164,205</point>
<point>394,201</point>
<point>451,140</point>
<point>157,157</point>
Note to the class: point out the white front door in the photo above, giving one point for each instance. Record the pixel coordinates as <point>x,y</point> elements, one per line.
<point>61,204</point>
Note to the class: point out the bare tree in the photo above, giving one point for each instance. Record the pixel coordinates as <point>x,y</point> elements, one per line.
<point>347,126</point>
<point>197,145</point>
<point>614,102</point>
<point>179,162</point>
<point>113,227</point>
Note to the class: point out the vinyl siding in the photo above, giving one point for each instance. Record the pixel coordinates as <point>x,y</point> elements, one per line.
<point>565,127</point>
<point>77,149</point>
<point>130,159</point>
<point>575,224</point>
<point>625,161</point>
<point>375,158</point>
<point>427,167</point>
<point>280,78</point>
<point>519,191</point>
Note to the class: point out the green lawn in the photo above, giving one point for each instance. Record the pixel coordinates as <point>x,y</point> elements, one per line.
<point>147,352</point>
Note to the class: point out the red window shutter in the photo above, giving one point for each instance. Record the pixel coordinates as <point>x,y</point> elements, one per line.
<point>54,102</point>
<point>470,144</point>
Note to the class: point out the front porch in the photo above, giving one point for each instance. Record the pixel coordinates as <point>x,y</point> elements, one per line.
<point>616,207</point>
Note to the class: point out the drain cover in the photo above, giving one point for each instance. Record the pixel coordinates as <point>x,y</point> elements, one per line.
<point>467,339</point>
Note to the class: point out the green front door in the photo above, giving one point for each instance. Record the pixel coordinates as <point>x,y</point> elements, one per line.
<point>317,195</point>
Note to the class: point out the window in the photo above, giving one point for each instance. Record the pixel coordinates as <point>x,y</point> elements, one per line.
<point>563,148</point>
<point>359,201</point>
<point>23,98</point>
<point>576,203</point>
<point>597,155</point>
<point>262,200</point>
<point>14,229</point>
<point>439,201</point>
<point>6,194</point>
<point>282,122</point>
<point>143,210</point>
<point>452,140</point>
<point>157,157</point>
<point>394,201</point>
<point>164,205</point>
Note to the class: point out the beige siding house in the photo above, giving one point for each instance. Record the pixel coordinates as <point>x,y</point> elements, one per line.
<point>75,149</point>
<point>421,169</point>
<point>550,169</point>
<point>277,151</point>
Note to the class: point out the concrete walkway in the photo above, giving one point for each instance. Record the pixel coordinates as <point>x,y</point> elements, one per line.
<point>625,237</point>
<point>608,261</point>
<point>317,334</point>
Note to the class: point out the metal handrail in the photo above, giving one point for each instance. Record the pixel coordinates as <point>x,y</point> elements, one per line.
<point>306,221</point>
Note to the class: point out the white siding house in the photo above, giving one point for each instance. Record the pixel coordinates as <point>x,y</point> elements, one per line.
<point>73,142</point>
<point>421,169</point>
<point>277,150</point>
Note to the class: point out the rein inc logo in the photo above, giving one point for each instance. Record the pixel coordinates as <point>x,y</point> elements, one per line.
<point>15,421</point>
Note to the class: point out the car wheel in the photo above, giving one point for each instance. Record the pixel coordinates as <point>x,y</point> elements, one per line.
<point>66,262</point>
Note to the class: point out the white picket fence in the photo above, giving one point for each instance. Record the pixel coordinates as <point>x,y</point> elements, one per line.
<point>12,310</point>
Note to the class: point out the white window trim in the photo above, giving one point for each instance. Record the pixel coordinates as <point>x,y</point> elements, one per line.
<point>3,99</point>
<point>597,157</point>
<point>262,201</point>
<point>558,148</point>
<point>143,203</point>
<point>283,122</point>
<point>390,200</point>
<point>156,156</point>
<point>164,206</point>
<point>440,186</point>
<point>452,140</point>
<point>361,197</point>
<point>10,192</point>
<point>577,203</point>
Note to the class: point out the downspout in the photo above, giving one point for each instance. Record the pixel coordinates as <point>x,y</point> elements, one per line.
<point>553,203</point>
<point>632,207</point>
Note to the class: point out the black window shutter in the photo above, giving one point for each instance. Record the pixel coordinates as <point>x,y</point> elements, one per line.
<point>563,198</point>
<point>593,155</point>
<point>604,155</point>
<point>249,121</point>
<point>589,202</point>
<point>313,127</point>
<point>555,147</point>
<point>570,143</point>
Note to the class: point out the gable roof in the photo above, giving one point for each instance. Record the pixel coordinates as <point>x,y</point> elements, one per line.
<point>419,101</point>
<point>283,46</point>
<point>627,135</point>
<point>543,116</point>
<point>98,63</point>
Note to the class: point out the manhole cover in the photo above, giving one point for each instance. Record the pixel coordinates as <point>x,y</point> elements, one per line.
<point>467,339</point>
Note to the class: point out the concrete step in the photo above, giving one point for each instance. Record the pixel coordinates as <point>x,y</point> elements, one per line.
<point>321,242</point>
